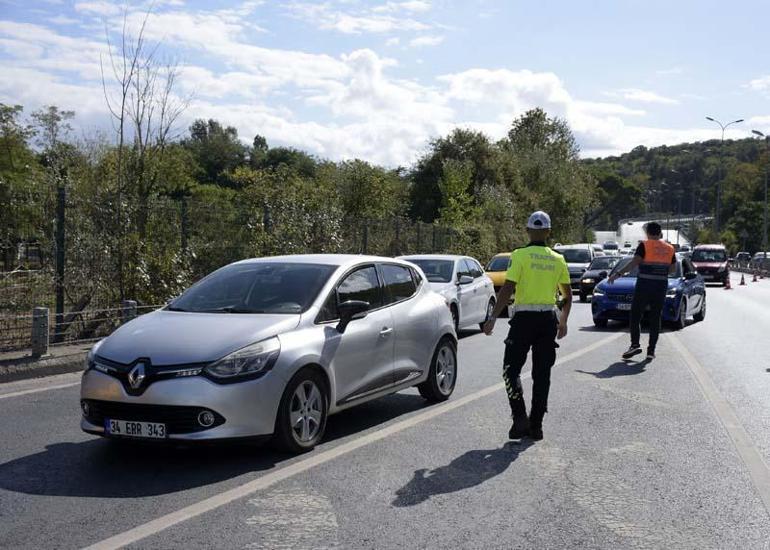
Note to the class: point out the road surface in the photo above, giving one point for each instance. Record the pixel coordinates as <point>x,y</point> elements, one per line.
<point>674,454</point>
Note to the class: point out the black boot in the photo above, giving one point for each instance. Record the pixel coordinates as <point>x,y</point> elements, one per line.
<point>520,427</point>
<point>536,425</point>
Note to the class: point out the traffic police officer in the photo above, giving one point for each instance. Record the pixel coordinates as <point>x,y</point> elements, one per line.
<point>535,274</point>
<point>655,259</point>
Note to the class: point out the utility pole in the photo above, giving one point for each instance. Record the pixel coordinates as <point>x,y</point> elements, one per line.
<point>721,169</point>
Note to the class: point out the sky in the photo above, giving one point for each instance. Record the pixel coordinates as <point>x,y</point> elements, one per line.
<point>378,79</point>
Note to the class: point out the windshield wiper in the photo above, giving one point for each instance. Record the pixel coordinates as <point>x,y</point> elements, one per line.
<point>172,308</point>
<point>231,309</point>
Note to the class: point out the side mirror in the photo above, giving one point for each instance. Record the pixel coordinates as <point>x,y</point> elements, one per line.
<point>690,275</point>
<point>465,280</point>
<point>350,311</point>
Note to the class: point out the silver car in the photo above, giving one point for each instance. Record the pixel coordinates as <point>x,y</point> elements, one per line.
<point>271,347</point>
<point>468,292</point>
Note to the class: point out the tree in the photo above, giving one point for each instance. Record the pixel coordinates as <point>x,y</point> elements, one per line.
<point>217,150</point>
<point>369,192</point>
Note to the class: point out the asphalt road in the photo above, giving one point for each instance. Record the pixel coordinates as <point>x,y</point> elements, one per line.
<point>672,454</point>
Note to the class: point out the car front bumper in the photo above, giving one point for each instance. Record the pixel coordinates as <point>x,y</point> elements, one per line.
<point>605,308</point>
<point>248,408</point>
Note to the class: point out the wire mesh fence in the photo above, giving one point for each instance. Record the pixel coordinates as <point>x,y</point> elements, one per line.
<point>81,256</point>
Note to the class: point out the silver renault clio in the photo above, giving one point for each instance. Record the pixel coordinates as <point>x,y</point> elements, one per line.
<point>272,346</point>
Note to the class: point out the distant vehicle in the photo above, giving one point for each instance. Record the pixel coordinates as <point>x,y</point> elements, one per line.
<point>578,258</point>
<point>610,245</point>
<point>686,296</point>
<point>497,268</point>
<point>461,281</point>
<point>271,347</point>
<point>596,273</point>
<point>711,261</point>
<point>760,261</point>
<point>685,248</point>
<point>598,249</point>
<point>742,259</point>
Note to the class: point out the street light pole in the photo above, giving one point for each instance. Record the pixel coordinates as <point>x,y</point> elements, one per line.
<point>764,218</point>
<point>721,168</point>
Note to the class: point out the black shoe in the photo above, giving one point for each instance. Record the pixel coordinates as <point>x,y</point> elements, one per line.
<point>650,354</point>
<point>632,351</point>
<point>536,426</point>
<point>520,428</point>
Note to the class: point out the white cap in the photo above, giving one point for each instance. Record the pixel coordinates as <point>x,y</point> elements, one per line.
<point>539,220</point>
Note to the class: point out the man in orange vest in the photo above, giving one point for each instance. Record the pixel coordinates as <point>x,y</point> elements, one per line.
<point>656,259</point>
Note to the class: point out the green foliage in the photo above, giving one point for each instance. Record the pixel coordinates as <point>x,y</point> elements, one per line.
<point>216,150</point>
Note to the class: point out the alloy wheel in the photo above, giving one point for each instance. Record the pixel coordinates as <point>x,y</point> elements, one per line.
<point>306,411</point>
<point>445,369</point>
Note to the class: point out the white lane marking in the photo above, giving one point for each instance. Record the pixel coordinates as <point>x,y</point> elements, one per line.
<point>164,522</point>
<point>47,383</point>
<point>750,455</point>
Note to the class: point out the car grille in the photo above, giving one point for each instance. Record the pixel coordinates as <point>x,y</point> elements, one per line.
<point>178,419</point>
<point>627,298</point>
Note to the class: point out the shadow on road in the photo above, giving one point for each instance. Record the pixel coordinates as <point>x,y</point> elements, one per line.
<point>468,470</point>
<point>621,368</point>
<point>127,469</point>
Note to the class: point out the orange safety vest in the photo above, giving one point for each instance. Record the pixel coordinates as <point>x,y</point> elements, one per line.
<point>658,256</point>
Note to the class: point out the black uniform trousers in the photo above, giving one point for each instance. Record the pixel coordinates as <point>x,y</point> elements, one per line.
<point>652,297</point>
<point>534,330</point>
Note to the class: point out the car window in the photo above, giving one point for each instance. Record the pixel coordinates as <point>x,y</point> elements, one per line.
<point>417,277</point>
<point>575,255</point>
<point>476,269</point>
<point>499,263</point>
<point>709,255</point>
<point>398,283</point>
<point>436,271</point>
<point>463,268</point>
<point>361,284</point>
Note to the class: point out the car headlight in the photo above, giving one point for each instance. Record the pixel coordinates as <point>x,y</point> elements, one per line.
<point>91,356</point>
<point>253,360</point>
<point>671,293</point>
<point>589,280</point>
<point>598,292</point>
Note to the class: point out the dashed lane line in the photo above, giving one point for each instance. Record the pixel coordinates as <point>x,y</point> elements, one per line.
<point>164,522</point>
<point>750,455</point>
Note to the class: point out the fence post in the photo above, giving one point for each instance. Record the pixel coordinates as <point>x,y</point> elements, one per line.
<point>365,243</point>
<point>127,310</point>
<point>397,247</point>
<point>61,205</point>
<point>267,220</point>
<point>184,225</point>
<point>419,237</point>
<point>39,331</point>
<point>433,249</point>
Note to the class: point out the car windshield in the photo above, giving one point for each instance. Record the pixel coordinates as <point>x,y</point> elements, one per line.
<point>604,262</point>
<point>499,263</point>
<point>709,255</point>
<point>436,271</point>
<point>575,255</point>
<point>610,246</point>
<point>258,287</point>
<point>634,272</point>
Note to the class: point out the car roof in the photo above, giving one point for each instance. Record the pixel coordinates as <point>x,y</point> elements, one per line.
<point>710,246</point>
<point>433,257</point>
<point>322,259</point>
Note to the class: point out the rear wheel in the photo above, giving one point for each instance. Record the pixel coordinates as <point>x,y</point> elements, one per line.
<point>600,323</point>
<point>302,412</point>
<point>701,315</point>
<point>490,309</point>
<point>583,297</point>
<point>442,375</point>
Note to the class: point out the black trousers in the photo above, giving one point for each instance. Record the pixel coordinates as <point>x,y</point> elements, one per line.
<point>643,298</point>
<point>537,331</point>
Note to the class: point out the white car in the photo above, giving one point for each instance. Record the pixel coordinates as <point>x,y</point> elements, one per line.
<point>461,280</point>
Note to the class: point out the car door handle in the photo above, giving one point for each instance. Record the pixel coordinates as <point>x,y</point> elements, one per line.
<point>386,330</point>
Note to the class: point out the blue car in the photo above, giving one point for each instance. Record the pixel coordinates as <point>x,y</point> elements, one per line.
<point>686,296</point>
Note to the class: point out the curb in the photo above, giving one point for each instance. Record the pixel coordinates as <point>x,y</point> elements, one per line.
<point>28,367</point>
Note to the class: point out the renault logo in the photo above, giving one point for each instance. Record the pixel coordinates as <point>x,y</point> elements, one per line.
<point>136,376</point>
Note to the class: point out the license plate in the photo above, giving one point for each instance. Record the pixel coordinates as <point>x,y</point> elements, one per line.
<point>624,307</point>
<point>132,428</point>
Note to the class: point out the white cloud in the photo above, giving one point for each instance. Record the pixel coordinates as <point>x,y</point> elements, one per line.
<point>63,20</point>
<point>353,21</point>
<point>393,41</point>
<point>426,40</point>
<point>671,71</point>
<point>642,96</point>
<point>761,84</point>
<point>415,6</point>
<point>98,7</point>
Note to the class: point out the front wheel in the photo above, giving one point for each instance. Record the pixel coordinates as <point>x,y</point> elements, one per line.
<point>681,322</point>
<point>442,375</point>
<point>302,413</point>
<point>583,297</point>
<point>701,315</point>
<point>488,316</point>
